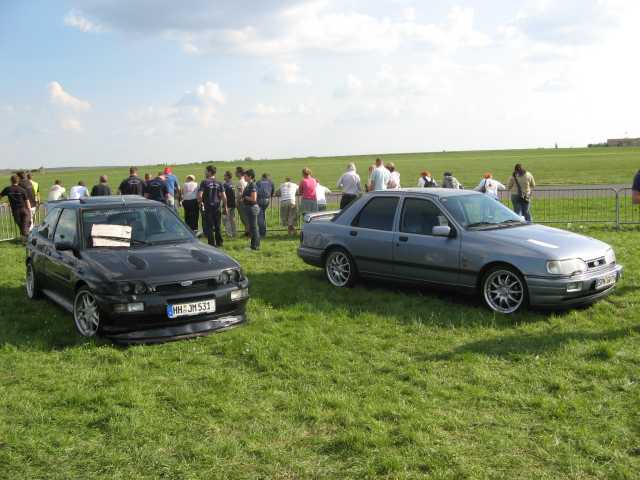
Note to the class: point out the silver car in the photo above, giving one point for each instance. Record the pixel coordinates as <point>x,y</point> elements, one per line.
<point>460,239</point>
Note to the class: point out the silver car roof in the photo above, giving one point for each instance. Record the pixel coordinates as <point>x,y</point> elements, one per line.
<point>431,192</point>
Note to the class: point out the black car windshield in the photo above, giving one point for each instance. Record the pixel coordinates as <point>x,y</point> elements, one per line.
<point>480,211</point>
<point>132,226</point>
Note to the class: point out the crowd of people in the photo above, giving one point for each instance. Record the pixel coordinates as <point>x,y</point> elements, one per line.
<point>239,195</point>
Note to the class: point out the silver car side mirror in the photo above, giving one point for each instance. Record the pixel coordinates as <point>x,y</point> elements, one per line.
<point>441,231</point>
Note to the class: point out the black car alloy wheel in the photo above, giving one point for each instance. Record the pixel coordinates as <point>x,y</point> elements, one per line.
<point>31,282</point>
<point>86,313</point>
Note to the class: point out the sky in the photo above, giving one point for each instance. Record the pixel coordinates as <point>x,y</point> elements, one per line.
<point>122,82</point>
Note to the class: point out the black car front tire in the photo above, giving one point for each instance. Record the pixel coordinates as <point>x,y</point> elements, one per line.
<point>86,313</point>
<point>504,290</point>
<point>340,268</point>
<point>31,283</point>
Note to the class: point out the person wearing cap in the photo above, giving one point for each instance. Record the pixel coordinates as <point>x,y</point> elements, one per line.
<point>173,188</point>
<point>190,202</point>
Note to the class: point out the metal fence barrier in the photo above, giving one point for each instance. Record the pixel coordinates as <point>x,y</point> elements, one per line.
<point>548,205</point>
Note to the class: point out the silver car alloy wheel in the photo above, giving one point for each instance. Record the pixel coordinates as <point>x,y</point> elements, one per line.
<point>86,313</point>
<point>503,291</point>
<point>30,283</point>
<point>338,268</point>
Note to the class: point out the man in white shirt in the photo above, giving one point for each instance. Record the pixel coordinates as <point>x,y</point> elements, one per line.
<point>379,177</point>
<point>349,182</point>
<point>288,210</point>
<point>78,191</point>
<point>321,197</point>
<point>56,192</point>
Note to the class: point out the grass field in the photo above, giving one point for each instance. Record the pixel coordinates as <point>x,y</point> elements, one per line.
<point>549,166</point>
<point>376,381</point>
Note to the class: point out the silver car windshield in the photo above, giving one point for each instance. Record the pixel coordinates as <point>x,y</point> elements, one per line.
<point>480,211</point>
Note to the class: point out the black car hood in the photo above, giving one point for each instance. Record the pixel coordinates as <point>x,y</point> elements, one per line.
<point>158,262</point>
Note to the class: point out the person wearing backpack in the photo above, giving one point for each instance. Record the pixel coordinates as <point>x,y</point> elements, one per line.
<point>489,186</point>
<point>426,180</point>
<point>211,198</point>
<point>521,184</point>
<point>265,193</point>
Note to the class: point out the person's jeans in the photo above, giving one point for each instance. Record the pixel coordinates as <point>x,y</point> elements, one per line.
<point>191,213</point>
<point>346,199</point>
<point>211,221</point>
<point>242,213</point>
<point>230,222</point>
<point>521,207</point>
<point>262,219</point>
<point>252,212</point>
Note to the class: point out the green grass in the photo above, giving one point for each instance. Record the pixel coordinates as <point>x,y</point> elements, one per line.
<point>376,381</point>
<point>549,166</point>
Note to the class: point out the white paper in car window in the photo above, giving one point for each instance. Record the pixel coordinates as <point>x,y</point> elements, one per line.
<point>111,235</point>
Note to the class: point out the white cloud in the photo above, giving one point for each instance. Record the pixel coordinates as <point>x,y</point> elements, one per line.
<point>71,125</point>
<point>274,28</point>
<point>266,110</point>
<point>77,20</point>
<point>58,96</point>
<point>288,74</point>
<point>195,109</point>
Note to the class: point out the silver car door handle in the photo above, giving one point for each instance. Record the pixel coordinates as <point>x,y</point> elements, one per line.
<point>402,238</point>
<point>353,233</point>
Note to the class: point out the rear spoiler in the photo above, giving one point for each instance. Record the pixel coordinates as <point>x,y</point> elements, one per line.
<point>310,217</point>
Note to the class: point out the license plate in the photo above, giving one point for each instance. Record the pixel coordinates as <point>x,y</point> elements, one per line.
<point>191,308</point>
<point>606,281</point>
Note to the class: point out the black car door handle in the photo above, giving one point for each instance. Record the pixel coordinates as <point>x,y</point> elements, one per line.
<point>34,242</point>
<point>402,238</point>
<point>353,233</point>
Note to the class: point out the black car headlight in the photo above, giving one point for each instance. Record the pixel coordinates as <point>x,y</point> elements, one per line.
<point>224,277</point>
<point>135,288</point>
<point>230,276</point>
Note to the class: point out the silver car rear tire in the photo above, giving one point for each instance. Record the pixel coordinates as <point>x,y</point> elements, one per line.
<point>340,269</point>
<point>504,290</point>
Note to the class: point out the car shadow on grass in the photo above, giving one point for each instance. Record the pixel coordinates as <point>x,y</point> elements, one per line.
<point>524,344</point>
<point>309,291</point>
<point>34,324</point>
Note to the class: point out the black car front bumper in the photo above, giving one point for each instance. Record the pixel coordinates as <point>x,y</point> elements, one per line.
<point>153,325</point>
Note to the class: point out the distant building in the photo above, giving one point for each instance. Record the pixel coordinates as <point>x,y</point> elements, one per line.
<point>623,142</point>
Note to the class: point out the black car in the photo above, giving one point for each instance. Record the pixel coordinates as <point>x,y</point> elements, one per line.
<point>129,269</point>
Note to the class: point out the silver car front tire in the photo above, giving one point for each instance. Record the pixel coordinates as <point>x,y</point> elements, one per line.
<point>504,290</point>
<point>339,268</point>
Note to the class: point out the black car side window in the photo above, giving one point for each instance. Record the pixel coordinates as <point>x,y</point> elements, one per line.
<point>67,228</point>
<point>420,216</point>
<point>45,230</point>
<point>377,214</point>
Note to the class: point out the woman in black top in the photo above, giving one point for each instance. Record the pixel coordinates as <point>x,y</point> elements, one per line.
<point>250,202</point>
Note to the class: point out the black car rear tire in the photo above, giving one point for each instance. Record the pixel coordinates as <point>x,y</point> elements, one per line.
<point>339,268</point>
<point>31,283</point>
<point>86,313</point>
<point>504,290</point>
